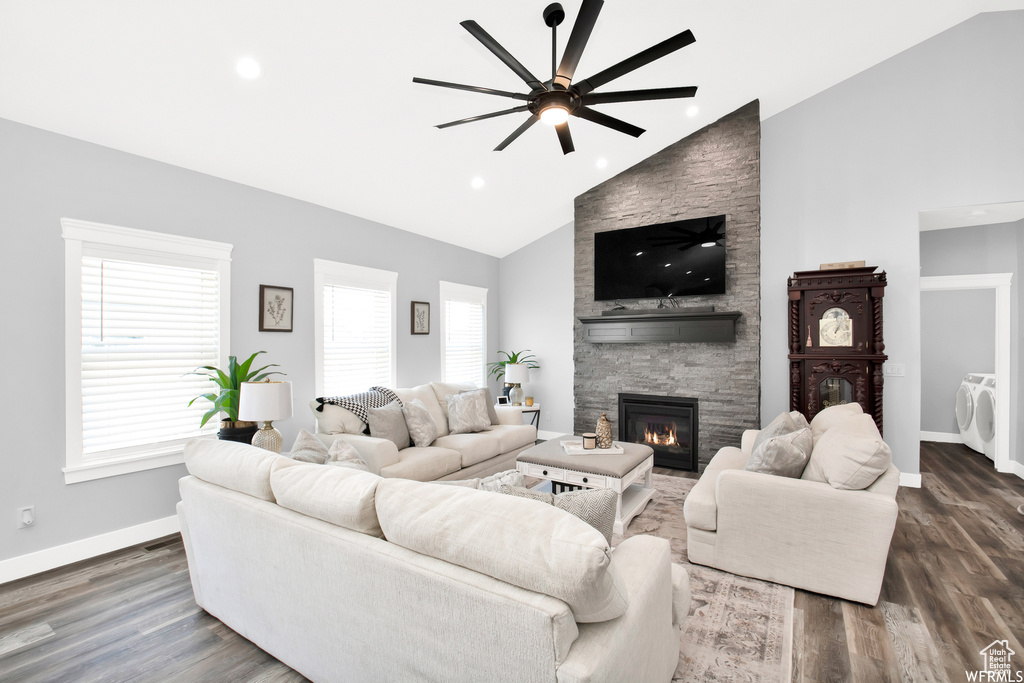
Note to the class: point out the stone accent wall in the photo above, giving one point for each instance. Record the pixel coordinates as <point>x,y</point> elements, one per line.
<point>714,171</point>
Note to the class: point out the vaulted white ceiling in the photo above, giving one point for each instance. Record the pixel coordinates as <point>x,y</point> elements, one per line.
<point>336,120</point>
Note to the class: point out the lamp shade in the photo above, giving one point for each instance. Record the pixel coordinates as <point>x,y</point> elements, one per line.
<point>516,373</point>
<point>265,401</point>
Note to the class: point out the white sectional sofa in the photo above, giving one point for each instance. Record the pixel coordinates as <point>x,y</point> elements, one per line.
<point>347,576</point>
<point>450,456</point>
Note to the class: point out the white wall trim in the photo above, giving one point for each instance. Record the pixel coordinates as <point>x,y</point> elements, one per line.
<point>942,437</point>
<point>76,551</point>
<point>1000,282</point>
<point>1017,468</point>
<point>910,480</point>
<point>547,436</point>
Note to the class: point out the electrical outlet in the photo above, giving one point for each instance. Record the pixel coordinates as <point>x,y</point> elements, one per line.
<point>26,516</point>
<point>894,369</point>
<point>547,417</point>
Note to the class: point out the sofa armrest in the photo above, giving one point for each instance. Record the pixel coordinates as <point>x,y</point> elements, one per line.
<point>804,533</point>
<point>747,444</point>
<point>607,650</point>
<point>376,453</point>
<point>680,595</point>
<point>509,415</point>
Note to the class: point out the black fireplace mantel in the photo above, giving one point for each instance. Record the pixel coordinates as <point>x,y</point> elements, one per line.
<point>643,327</point>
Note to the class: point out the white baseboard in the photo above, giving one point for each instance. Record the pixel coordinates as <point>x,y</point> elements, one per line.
<point>942,437</point>
<point>547,436</point>
<point>51,558</point>
<point>1017,468</point>
<point>910,480</point>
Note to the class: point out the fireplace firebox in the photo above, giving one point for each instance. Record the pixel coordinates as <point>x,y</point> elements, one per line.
<point>668,424</point>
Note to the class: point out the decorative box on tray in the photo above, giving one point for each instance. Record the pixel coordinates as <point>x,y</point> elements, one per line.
<point>575,447</point>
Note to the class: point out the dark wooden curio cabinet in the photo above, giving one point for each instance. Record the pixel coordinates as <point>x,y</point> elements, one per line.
<point>836,349</point>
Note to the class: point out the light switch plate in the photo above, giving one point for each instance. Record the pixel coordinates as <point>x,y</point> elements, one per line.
<point>894,369</point>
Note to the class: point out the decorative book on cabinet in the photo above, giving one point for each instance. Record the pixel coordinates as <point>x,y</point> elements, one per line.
<point>836,347</point>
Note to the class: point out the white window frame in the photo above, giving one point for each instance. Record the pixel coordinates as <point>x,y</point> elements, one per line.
<point>339,274</point>
<point>128,243</point>
<point>453,291</point>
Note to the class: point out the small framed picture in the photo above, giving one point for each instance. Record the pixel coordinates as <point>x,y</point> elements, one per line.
<point>503,400</point>
<point>421,317</point>
<point>276,308</point>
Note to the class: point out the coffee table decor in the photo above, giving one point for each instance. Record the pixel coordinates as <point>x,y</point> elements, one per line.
<point>627,473</point>
<point>575,447</point>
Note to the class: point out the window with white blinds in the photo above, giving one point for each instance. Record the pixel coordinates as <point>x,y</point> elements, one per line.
<point>464,333</point>
<point>144,310</point>
<point>355,325</point>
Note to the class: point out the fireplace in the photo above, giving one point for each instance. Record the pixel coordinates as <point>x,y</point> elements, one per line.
<point>668,424</point>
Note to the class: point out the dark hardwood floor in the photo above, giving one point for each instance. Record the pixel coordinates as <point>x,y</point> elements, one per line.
<point>954,583</point>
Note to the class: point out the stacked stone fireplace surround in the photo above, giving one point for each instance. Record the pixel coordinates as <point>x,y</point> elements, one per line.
<point>714,171</point>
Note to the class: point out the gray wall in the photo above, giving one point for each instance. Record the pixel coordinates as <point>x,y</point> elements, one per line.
<point>45,177</point>
<point>714,171</point>
<point>845,172</point>
<point>963,339</point>
<point>536,314</point>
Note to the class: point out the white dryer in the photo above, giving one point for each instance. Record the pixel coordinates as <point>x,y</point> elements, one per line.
<point>985,416</point>
<point>966,409</point>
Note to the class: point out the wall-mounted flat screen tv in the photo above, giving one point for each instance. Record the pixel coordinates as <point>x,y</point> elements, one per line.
<point>681,258</point>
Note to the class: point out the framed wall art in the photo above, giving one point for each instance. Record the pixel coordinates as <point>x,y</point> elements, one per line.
<point>420,317</point>
<point>276,308</point>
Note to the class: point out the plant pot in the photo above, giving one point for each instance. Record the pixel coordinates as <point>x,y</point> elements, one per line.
<point>242,432</point>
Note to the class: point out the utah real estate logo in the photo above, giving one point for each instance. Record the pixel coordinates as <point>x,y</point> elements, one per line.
<point>996,665</point>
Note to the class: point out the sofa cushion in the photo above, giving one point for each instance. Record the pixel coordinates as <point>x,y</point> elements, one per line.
<point>424,464</point>
<point>236,466</point>
<point>340,496</point>
<point>511,437</point>
<point>699,508</point>
<point>426,396</point>
<point>850,455</point>
<point>474,448</point>
<point>336,420</point>
<point>441,391</point>
<point>388,422</point>
<point>785,455</point>
<point>535,547</point>
<point>596,507</point>
<point>832,416</point>
<point>467,412</point>
<point>422,428</point>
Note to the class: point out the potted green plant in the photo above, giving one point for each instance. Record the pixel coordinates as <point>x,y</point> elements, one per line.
<point>497,368</point>
<point>226,401</point>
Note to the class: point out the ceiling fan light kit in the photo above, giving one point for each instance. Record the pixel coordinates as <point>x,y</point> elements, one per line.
<point>554,101</point>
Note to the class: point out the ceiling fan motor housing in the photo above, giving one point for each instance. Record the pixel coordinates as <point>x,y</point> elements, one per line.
<point>563,99</point>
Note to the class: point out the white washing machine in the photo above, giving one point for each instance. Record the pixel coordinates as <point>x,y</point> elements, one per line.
<point>966,409</point>
<point>985,417</point>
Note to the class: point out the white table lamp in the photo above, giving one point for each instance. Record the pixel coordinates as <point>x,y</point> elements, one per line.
<point>516,374</point>
<point>265,402</point>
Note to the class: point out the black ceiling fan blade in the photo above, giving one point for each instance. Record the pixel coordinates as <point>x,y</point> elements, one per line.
<point>609,121</point>
<point>581,31</point>
<point>501,53</point>
<point>517,132</point>
<point>565,138</point>
<point>481,117</point>
<point>638,60</point>
<point>471,88</point>
<point>638,95</point>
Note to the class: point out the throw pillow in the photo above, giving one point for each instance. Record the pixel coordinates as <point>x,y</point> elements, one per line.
<point>308,448</point>
<point>422,429</point>
<point>799,420</point>
<point>850,456</point>
<point>491,412</point>
<point>344,454</point>
<point>783,424</point>
<point>389,423</point>
<point>832,416</point>
<point>784,456</point>
<point>467,413</point>
<point>508,477</point>
<point>596,507</point>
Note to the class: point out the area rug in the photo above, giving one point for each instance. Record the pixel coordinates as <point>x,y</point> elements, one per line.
<point>739,629</point>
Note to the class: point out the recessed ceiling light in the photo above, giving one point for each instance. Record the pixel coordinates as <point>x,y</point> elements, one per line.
<point>667,265</point>
<point>249,68</point>
<point>638,253</point>
<point>476,183</point>
<point>692,111</point>
<point>706,279</point>
<point>709,244</point>
<point>688,272</point>
<point>602,163</point>
<point>978,212</point>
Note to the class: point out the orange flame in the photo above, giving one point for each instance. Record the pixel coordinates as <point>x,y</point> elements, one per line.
<point>661,438</point>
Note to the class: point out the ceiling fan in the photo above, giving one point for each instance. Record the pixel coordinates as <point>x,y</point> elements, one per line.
<point>554,101</point>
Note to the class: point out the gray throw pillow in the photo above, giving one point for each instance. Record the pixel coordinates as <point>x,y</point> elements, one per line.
<point>308,448</point>
<point>596,507</point>
<point>785,455</point>
<point>491,412</point>
<point>389,423</point>
<point>467,413</point>
<point>422,429</point>
<point>344,454</point>
<point>783,424</point>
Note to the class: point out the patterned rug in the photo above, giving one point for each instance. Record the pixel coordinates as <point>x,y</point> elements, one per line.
<point>739,629</point>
